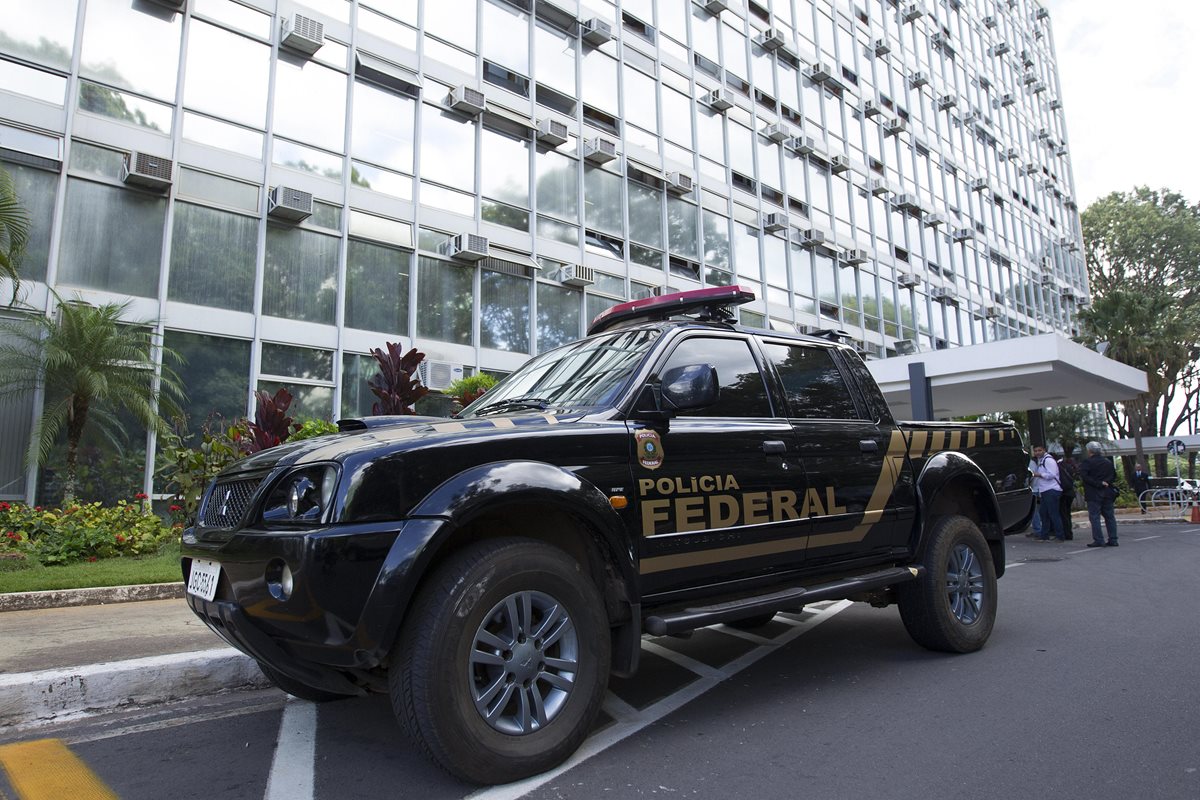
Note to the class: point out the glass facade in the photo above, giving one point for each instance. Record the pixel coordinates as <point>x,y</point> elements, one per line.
<point>896,170</point>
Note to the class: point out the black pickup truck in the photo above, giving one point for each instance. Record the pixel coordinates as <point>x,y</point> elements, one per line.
<point>671,470</point>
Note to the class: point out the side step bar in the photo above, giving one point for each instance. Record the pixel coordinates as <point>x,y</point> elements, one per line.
<point>691,618</point>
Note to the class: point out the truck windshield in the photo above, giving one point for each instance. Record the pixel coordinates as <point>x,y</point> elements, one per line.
<point>586,374</point>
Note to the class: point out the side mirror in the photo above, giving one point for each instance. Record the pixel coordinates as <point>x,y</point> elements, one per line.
<point>689,387</point>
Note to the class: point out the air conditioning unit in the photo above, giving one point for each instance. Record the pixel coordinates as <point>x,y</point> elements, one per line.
<point>777,132</point>
<point>143,169</point>
<point>1012,152</point>
<point>301,34</point>
<point>979,185</point>
<point>811,237</point>
<point>598,150</point>
<point>1029,77</point>
<point>174,5</point>
<point>679,183</point>
<point>1038,87</point>
<point>877,186</point>
<point>292,205</point>
<point>1043,134</point>
<point>871,108</point>
<point>857,256</point>
<point>1005,100</point>
<point>552,131</point>
<point>1026,59</point>
<point>1067,293</point>
<point>1055,104</point>
<point>1000,48</point>
<point>963,234</point>
<point>771,39</point>
<point>944,295</point>
<point>820,72</point>
<point>918,79</point>
<point>774,221</point>
<point>990,312</point>
<point>439,374</point>
<point>717,100</point>
<point>596,31</point>
<point>907,200</point>
<point>839,163</point>
<point>908,279</point>
<point>881,46</point>
<point>910,12</point>
<point>577,275</point>
<point>1067,242</point>
<point>1046,278</point>
<point>466,100</point>
<point>894,126</point>
<point>465,247</point>
<point>989,22</point>
<point>1041,13</point>
<point>934,220</point>
<point>947,101</point>
<point>713,7</point>
<point>801,145</point>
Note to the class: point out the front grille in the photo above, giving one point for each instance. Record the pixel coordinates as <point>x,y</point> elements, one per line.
<point>227,503</point>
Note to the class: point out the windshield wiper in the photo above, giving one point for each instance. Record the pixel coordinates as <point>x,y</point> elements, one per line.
<point>541,404</point>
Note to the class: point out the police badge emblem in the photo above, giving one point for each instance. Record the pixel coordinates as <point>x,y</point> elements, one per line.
<point>649,449</point>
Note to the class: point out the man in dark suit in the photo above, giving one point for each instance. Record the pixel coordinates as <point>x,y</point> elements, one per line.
<point>1100,490</point>
<point>1141,483</point>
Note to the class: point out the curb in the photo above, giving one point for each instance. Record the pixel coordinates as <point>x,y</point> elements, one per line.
<point>38,697</point>
<point>61,598</point>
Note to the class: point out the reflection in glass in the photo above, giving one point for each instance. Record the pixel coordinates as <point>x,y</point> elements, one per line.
<point>310,103</point>
<point>377,287</point>
<point>557,316</point>
<point>555,54</point>
<point>641,101</point>
<point>452,22</point>
<point>447,149</point>
<point>504,312</point>
<point>814,386</point>
<point>716,240</point>
<point>357,397</point>
<point>308,402</point>
<point>602,200</point>
<point>444,301</point>
<point>681,227</point>
<point>300,276</point>
<point>124,107</point>
<point>132,45</point>
<point>505,36</point>
<point>557,185</point>
<point>112,239</point>
<point>31,82</point>
<point>743,393</point>
<point>218,60</point>
<point>600,81</point>
<point>387,29</point>
<point>212,258</point>
<point>447,199</point>
<point>382,128</point>
<point>504,168</point>
<point>36,188</point>
<point>215,371</point>
<point>306,159</point>
<point>235,15</point>
<point>219,190</point>
<point>42,32</point>
<point>210,132</point>
<point>381,180</point>
<point>645,214</point>
<point>307,363</point>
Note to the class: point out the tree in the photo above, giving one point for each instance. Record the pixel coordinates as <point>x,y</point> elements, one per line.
<point>92,365</point>
<point>1143,263</point>
<point>14,232</point>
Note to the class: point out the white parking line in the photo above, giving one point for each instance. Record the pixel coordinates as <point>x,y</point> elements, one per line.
<point>619,731</point>
<point>292,768</point>
<point>1144,538</point>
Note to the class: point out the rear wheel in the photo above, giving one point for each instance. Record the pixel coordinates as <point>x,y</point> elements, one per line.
<point>952,606</point>
<point>502,665</point>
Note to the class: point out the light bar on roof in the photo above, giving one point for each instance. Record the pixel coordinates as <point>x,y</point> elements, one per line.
<point>667,305</point>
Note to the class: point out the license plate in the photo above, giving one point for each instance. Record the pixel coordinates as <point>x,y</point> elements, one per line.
<point>202,581</point>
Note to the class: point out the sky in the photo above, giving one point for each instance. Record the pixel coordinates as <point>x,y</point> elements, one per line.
<point>1130,75</point>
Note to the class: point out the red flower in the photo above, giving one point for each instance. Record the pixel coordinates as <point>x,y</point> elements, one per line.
<point>120,538</point>
<point>4,506</point>
<point>91,558</point>
<point>141,496</point>
<point>177,508</point>
<point>37,508</point>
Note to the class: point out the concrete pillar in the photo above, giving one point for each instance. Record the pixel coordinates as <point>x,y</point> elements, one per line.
<point>920,392</point>
<point>1037,427</point>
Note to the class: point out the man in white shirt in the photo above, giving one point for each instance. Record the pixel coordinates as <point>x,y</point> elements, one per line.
<point>1046,482</point>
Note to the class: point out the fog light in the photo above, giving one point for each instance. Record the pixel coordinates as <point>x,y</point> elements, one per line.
<point>279,579</point>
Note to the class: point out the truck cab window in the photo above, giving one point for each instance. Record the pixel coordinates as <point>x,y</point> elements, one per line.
<point>743,393</point>
<point>814,386</point>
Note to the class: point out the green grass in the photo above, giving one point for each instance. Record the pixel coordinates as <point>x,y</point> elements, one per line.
<point>31,577</point>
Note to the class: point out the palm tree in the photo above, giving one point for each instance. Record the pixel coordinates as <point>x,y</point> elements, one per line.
<point>14,232</point>
<point>91,364</point>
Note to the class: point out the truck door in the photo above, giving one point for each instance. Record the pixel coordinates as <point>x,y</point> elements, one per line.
<point>852,462</point>
<point>718,488</point>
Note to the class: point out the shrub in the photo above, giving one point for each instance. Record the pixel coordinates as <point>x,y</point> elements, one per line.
<point>188,471</point>
<point>394,384</point>
<point>88,531</point>
<point>271,425</point>
<point>311,428</point>
<point>468,390</point>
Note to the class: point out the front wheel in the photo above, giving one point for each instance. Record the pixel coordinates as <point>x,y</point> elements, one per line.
<point>952,606</point>
<point>502,664</point>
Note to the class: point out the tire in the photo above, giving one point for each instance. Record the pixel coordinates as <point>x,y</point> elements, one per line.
<point>297,689</point>
<point>952,606</point>
<point>473,682</point>
<point>750,623</point>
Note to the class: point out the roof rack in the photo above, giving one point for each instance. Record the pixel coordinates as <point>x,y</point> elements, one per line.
<point>712,303</point>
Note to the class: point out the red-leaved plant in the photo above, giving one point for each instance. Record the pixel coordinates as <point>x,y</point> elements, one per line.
<point>394,384</point>
<point>271,425</point>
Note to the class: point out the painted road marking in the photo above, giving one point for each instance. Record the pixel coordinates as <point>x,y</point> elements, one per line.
<point>295,753</point>
<point>1144,538</point>
<point>46,770</point>
<point>617,732</point>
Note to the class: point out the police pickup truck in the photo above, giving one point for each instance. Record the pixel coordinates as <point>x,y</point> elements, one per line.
<point>670,471</point>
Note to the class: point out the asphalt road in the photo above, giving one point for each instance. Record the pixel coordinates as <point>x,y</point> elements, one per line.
<point>1089,688</point>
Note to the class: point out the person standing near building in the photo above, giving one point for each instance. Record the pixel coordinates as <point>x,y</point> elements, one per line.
<point>1045,481</point>
<point>1068,471</point>
<point>1100,490</point>
<point>1035,523</point>
<point>1141,483</point>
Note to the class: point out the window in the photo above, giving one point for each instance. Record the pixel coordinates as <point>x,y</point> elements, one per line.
<point>743,393</point>
<point>505,36</point>
<point>215,373</point>
<point>212,258</point>
<point>300,277</point>
<point>447,149</point>
<point>815,388</point>
<point>310,104</point>
<point>557,185</point>
<point>43,32</point>
<point>306,373</point>
<point>504,312</point>
<point>127,46</point>
<point>112,239</point>
<point>382,129</point>
<point>207,87</point>
<point>377,287</point>
<point>557,316</point>
<point>602,199</point>
<point>445,297</point>
<point>36,189</point>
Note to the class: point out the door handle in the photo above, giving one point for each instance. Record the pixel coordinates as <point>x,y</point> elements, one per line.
<point>868,445</point>
<point>774,448</point>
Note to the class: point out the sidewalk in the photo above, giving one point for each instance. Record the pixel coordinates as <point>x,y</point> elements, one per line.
<point>63,661</point>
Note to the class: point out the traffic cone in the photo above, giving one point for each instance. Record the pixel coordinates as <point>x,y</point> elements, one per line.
<point>1195,513</point>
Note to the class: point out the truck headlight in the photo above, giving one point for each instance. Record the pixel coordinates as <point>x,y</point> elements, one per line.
<point>302,497</point>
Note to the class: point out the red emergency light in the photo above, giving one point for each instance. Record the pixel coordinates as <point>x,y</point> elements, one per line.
<point>713,302</point>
